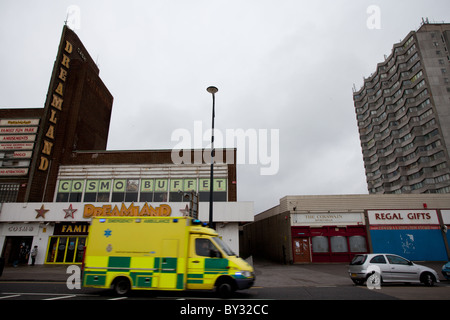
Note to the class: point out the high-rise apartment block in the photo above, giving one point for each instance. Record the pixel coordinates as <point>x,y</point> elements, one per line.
<point>403,114</point>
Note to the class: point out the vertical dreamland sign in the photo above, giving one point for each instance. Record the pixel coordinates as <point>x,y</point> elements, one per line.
<point>70,49</point>
<point>60,98</point>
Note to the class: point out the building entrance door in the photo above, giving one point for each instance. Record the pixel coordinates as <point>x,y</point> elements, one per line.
<point>17,249</point>
<point>302,252</point>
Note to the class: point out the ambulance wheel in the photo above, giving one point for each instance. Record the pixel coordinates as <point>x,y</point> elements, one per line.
<point>225,289</point>
<point>121,286</point>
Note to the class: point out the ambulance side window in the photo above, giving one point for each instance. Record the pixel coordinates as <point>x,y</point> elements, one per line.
<point>205,248</point>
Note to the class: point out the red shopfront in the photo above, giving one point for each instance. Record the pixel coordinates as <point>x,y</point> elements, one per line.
<point>327,243</point>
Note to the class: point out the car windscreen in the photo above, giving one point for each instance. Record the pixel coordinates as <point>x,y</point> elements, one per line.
<point>224,246</point>
<point>358,259</point>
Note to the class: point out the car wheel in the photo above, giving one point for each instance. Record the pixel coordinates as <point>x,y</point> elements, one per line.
<point>225,289</point>
<point>122,286</point>
<point>427,279</point>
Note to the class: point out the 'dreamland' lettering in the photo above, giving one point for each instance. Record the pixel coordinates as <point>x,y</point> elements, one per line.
<point>56,107</point>
<point>90,210</point>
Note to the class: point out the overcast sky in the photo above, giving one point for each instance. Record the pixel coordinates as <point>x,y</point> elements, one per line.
<point>285,66</point>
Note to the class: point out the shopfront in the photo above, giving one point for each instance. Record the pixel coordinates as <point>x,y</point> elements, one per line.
<point>413,234</point>
<point>16,241</point>
<point>334,228</point>
<point>327,237</point>
<point>60,229</point>
<point>67,243</point>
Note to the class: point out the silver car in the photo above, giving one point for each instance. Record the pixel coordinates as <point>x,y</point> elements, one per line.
<point>390,268</point>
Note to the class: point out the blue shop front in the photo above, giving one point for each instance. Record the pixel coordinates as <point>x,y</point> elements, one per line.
<point>414,234</point>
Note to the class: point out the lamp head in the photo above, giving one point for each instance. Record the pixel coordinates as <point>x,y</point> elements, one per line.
<point>212,90</point>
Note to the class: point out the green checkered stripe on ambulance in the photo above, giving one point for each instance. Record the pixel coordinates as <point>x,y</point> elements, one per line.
<point>212,268</point>
<point>144,274</point>
<point>162,273</point>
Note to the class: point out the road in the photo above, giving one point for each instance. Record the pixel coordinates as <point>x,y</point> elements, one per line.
<point>258,302</point>
<point>34,290</point>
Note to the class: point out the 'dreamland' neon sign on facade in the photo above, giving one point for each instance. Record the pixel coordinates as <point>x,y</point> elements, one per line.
<point>90,210</point>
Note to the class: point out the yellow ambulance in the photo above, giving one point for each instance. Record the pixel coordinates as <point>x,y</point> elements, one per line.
<point>161,253</point>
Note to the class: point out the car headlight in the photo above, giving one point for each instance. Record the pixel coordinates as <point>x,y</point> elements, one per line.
<point>246,274</point>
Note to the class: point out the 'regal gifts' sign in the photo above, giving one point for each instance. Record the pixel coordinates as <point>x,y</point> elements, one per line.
<point>405,217</point>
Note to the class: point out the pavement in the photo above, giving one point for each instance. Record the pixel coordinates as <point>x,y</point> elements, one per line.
<point>268,274</point>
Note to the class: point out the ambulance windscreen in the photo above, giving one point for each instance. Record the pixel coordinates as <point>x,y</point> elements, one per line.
<point>224,246</point>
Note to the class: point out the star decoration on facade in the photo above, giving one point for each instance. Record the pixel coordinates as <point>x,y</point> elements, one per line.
<point>69,212</point>
<point>185,211</point>
<point>41,212</point>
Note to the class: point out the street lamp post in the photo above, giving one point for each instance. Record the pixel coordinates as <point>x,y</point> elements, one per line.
<point>212,90</point>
